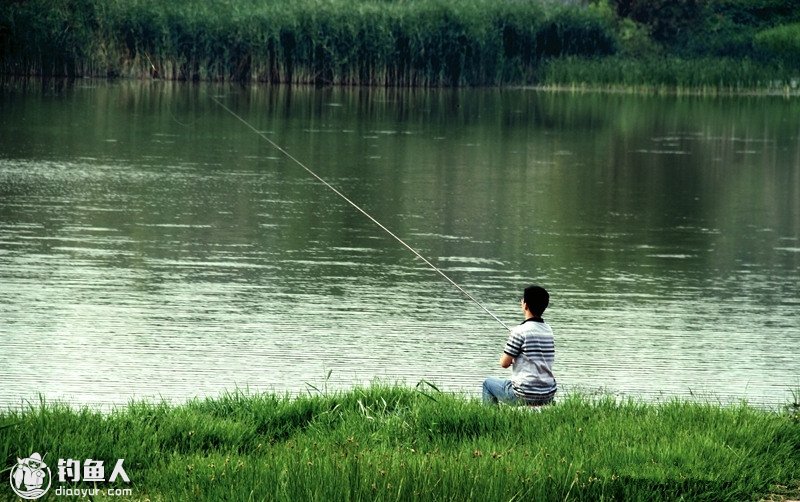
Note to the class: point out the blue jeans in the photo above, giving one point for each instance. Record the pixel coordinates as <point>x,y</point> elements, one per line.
<point>497,390</point>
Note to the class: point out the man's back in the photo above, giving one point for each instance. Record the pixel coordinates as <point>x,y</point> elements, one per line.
<point>532,346</point>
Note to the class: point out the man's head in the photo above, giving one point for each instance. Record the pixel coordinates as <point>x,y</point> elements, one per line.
<point>536,299</point>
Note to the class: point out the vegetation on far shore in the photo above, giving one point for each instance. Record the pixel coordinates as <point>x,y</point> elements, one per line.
<point>714,44</point>
<point>395,443</point>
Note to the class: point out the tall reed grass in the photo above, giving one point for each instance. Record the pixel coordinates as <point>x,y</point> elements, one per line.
<point>394,43</point>
<point>393,443</point>
<point>374,42</point>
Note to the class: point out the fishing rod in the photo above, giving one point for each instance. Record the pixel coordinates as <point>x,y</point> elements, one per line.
<point>359,209</point>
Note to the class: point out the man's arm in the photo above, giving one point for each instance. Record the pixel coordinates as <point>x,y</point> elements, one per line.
<point>506,360</point>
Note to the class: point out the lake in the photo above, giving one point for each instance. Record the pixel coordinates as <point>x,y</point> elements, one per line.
<point>152,246</point>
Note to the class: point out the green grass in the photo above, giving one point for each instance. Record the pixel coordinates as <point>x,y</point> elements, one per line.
<point>367,42</point>
<point>721,46</point>
<point>672,74</point>
<point>394,443</point>
<point>735,45</point>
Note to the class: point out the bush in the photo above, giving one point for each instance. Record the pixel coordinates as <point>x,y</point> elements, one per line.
<point>783,42</point>
<point>758,13</point>
<point>668,20</point>
<point>697,28</point>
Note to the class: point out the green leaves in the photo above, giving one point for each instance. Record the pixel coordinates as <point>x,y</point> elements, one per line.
<point>782,42</point>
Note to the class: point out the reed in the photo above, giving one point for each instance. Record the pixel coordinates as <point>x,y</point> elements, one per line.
<point>727,46</point>
<point>390,443</point>
<point>372,42</point>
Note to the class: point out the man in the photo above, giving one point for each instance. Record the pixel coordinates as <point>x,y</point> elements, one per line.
<point>531,350</point>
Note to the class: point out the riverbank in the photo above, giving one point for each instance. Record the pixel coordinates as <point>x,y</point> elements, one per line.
<point>725,44</point>
<point>384,443</point>
<point>672,75</point>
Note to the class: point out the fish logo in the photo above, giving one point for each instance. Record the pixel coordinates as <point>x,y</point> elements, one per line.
<point>28,477</point>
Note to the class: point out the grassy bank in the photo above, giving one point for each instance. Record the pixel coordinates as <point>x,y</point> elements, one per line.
<point>714,46</point>
<point>401,444</point>
<point>672,74</point>
<point>718,44</point>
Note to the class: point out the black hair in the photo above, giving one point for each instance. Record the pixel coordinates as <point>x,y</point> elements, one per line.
<point>537,299</point>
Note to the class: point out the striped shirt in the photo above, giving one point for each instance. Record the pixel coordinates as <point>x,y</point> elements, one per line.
<point>533,349</point>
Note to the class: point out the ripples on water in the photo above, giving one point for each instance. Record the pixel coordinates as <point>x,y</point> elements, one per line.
<point>155,260</point>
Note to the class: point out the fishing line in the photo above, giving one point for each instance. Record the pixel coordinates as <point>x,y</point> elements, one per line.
<point>190,124</point>
<point>362,211</point>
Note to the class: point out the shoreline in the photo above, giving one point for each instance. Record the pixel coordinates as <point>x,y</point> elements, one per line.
<point>578,88</point>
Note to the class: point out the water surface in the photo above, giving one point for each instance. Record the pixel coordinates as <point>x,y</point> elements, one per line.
<point>152,246</point>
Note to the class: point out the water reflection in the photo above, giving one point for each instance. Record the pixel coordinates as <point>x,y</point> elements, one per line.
<point>153,246</point>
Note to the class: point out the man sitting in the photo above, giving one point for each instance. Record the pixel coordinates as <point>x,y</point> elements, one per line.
<point>530,349</point>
